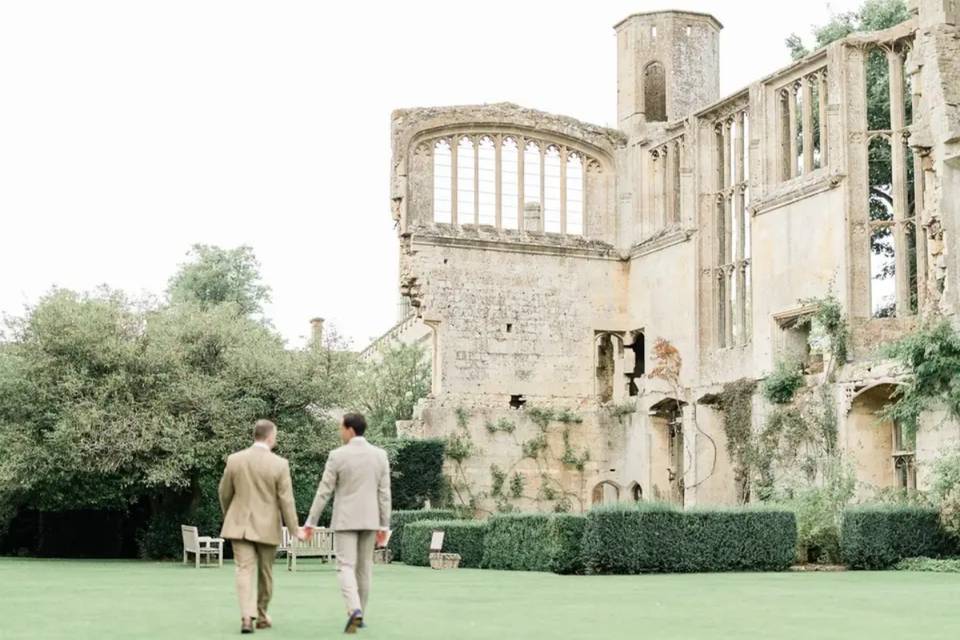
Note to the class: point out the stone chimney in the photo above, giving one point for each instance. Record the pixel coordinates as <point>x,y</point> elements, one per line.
<point>316,332</point>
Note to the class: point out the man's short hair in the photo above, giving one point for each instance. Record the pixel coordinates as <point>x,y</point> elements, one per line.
<point>355,421</point>
<point>262,430</point>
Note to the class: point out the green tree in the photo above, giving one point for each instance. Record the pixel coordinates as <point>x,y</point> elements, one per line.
<point>106,402</point>
<point>215,276</point>
<point>390,387</point>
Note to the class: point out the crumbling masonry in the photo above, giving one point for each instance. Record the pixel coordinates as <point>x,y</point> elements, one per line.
<point>543,257</point>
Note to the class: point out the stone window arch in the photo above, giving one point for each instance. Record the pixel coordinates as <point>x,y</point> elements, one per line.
<point>655,92</point>
<point>606,492</point>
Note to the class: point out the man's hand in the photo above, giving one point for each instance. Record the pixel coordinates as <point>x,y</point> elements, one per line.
<point>305,532</point>
<point>382,538</point>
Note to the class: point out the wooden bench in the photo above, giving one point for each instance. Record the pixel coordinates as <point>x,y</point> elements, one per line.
<point>320,545</point>
<point>201,546</point>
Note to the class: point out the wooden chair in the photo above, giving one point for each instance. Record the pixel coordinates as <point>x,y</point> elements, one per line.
<point>201,546</point>
<point>320,545</point>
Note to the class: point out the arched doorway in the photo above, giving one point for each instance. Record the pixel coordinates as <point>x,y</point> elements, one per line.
<point>636,492</point>
<point>884,453</point>
<point>667,462</point>
<point>606,492</point>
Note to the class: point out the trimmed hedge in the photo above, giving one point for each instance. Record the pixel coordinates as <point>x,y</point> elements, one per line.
<point>534,542</point>
<point>517,542</point>
<point>465,537</point>
<point>400,519</point>
<point>565,541</point>
<point>653,537</point>
<point>879,536</point>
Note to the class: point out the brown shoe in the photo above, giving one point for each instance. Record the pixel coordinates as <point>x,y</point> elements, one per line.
<point>264,622</point>
<point>246,625</point>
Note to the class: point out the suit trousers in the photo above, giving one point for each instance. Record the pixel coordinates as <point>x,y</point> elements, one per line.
<point>249,556</point>
<point>354,551</point>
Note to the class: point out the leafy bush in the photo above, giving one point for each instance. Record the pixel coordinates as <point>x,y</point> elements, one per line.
<point>417,471</point>
<point>517,542</point>
<point>534,542</point>
<point>657,537</point>
<point>937,565</point>
<point>400,519</point>
<point>564,542</point>
<point>781,385</point>
<point>465,537</point>
<point>879,536</point>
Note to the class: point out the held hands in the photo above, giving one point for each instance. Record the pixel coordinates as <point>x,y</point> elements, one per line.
<point>305,532</point>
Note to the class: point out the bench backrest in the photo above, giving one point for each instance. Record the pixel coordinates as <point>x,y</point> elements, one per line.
<point>191,538</point>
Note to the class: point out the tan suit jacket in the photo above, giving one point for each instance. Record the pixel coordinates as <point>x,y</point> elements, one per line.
<point>358,476</point>
<point>254,492</point>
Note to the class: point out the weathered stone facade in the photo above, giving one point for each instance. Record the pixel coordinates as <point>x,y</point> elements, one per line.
<point>546,255</point>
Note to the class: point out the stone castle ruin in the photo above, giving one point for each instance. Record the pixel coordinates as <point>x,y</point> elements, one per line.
<point>591,296</point>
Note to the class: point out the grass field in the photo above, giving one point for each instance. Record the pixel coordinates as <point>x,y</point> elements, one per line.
<point>54,599</point>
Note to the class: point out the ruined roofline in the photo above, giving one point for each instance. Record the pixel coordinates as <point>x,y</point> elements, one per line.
<point>858,39</point>
<point>499,114</point>
<point>670,12</point>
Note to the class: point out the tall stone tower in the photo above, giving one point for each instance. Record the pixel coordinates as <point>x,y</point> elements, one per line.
<point>668,66</point>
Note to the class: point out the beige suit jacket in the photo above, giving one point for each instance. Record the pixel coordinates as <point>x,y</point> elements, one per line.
<point>358,476</point>
<point>255,492</point>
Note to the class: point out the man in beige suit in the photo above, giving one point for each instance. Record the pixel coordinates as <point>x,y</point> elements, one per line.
<point>255,492</point>
<point>358,476</point>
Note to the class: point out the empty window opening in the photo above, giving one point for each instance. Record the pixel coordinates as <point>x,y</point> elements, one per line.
<point>574,194</point>
<point>442,167</point>
<point>689,30</point>
<point>509,184</point>
<point>551,190</point>
<point>639,361</point>
<point>654,93</point>
<point>517,401</point>
<point>636,493</point>
<point>509,327</point>
<point>466,208</point>
<point>605,367</point>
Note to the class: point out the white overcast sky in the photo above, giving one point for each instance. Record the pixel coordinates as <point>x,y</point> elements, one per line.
<point>130,130</point>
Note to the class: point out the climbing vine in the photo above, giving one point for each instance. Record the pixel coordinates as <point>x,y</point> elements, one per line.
<point>829,322</point>
<point>736,402</point>
<point>780,386</point>
<point>931,358</point>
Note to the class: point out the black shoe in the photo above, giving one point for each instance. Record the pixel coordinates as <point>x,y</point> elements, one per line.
<point>246,625</point>
<point>354,622</point>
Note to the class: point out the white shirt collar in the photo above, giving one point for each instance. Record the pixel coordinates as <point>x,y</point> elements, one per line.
<point>262,445</point>
<point>358,439</point>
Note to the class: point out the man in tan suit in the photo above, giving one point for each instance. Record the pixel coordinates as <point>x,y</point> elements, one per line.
<point>358,476</point>
<point>255,492</point>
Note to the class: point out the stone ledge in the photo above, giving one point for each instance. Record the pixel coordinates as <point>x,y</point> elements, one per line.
<point>797,189</point>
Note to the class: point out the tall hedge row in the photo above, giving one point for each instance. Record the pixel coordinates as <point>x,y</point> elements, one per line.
<point>655,537</point>
<point>879,536</point>
<point>401,519</point>
<point>534,542</point>
<point>465,537</point>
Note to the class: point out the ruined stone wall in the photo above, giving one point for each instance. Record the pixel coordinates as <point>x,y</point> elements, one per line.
<point>710,223</point>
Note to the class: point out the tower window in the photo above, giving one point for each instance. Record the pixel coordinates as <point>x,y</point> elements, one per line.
<point>655,93</point>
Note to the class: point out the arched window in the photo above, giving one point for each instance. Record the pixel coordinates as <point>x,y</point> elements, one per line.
<point>574,194</point>
<point>487,181</point>
<point>465,166</point>
<point>551,190</point>
<point>655,93</point>
<point>531,173</point>
<point>606,492</point>
<point>442,166</point>
<point>509,184</point>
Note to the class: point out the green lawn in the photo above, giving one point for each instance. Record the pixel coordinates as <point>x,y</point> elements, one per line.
<point>52,599</point>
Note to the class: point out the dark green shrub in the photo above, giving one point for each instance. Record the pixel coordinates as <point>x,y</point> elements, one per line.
<point>879,536</point>
<point>564,542</point>
<point>936,565</point>
<point>534,542</point>
<point>654,537</point>
<point>465,537</point>
<point>517,542</point>
<point>781,385</point>
<point>417,470</point>
<point>400,519</point>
